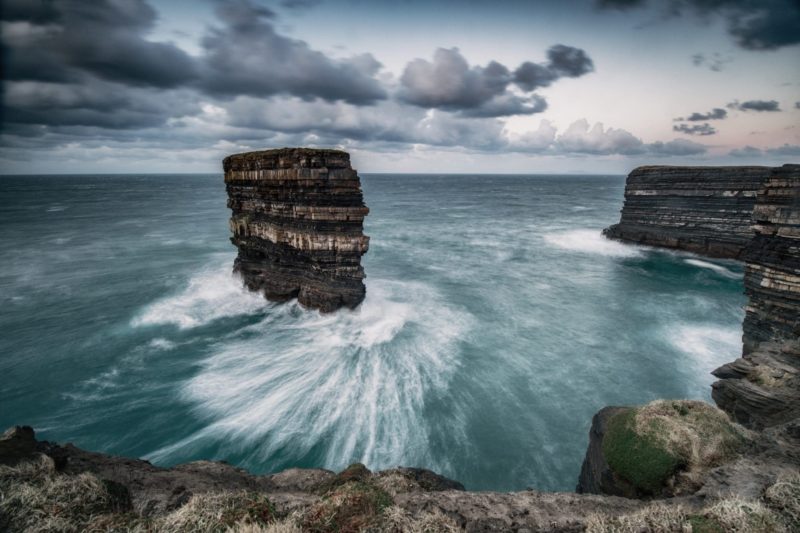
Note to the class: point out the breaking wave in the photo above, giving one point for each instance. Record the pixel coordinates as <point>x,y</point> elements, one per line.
<point>352,383</point>
<point>590,241</point>
<point>211,294</point>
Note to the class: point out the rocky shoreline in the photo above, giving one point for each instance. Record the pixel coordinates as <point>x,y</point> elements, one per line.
<point>671,465</point>
<point>705,210</point>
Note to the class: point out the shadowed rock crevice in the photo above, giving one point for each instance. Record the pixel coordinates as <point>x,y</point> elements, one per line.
<point>297,220</point>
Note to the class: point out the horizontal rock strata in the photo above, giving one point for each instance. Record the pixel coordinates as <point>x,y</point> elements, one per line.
<point>297,220</point>
<point>706,210</point>
<point>762,388</point>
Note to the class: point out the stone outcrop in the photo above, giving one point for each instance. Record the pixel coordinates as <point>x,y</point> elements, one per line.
<point>145,491</point>
<point>762,388</point>
<point>297,221</point>
<point>706,210</point>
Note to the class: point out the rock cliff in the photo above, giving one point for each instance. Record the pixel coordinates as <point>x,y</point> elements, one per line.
<point>706,210</point>
<point>297,220</point>
<point>762,388</point>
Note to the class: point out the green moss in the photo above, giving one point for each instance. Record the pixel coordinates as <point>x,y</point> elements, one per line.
<point>641,460</point>
<point>703,524</point>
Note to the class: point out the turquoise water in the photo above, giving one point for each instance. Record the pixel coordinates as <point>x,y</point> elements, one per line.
<point>497,322</point>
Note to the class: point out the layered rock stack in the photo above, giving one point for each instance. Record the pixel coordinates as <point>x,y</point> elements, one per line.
<point>706,210</point>
<point>297,221</point>
<point>762,388</point>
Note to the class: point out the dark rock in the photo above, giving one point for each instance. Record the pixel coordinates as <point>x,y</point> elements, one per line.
<point>762,388</point>
<point>706,210</point>
<point>297,220</point>
<point>17,444</point>
<point>428,480</point>
<point>596,475</point>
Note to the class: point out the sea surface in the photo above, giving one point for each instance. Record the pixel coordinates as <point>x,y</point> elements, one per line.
<point>497,322</point>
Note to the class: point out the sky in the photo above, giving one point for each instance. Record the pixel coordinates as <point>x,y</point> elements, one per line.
<point>506,86</point>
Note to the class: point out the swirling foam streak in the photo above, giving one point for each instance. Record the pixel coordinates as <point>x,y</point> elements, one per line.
<point>353,382</point>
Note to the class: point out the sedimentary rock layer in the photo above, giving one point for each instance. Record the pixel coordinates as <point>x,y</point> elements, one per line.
<point>297,221</point>
<point>762,388</point>
<point>705,210</point>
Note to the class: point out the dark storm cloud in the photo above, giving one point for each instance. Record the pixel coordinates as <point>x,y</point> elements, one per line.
<point>563,61</point>
<point>569,61</point>
<point>715,114</point>
<point>797,105</point>
<point>247,56</point>
<point>754,24</point>
<point>755,105</point>
<point>697,129</point>
<point>451,84</point>
<point>59,39</point>
<point>92,103</point>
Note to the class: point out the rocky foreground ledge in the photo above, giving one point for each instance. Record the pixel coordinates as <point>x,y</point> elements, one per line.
<point>747,480</point>
<point>297,221</point>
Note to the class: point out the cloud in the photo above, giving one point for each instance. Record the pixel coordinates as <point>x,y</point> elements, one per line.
<point>791,150</point>
<point>247,56</point>
<point>697,129</point>
<point>715,114</point>
<point>797,105</point>
<point>715,62</point>
<point>746,151</point>
<point>50,41</point>
<point>754,24</point>
<point>677,147</point>
<point>580,138</point>
<point>755,105</point>
<point>449,83</point>
<point>300,4</point>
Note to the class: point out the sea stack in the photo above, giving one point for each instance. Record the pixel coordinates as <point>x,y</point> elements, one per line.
<point>297,221</point>
<point>706,210</point>
<point>762,388</point>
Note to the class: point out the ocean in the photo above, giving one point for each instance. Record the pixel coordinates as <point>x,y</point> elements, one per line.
<point>497,321</point>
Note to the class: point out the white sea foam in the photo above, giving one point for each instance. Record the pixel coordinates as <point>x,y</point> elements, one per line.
<point>590,241</point>
<point>161,344</point>
<point>708,345</point>
<point>211,294</point>
<point>353,382</point>
<point>719,269</point>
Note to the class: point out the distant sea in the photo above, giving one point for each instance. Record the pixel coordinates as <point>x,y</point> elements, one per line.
<point>497,322</point>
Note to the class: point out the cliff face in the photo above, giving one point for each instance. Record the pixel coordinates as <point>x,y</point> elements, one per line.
<point>705,210</point>
<point>297,221</point>
<point>762,388</point>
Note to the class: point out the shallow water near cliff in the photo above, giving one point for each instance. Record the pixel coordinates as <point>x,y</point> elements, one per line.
<point>497,322</point>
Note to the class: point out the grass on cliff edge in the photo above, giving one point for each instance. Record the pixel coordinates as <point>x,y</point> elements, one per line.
<point>777,511</point>
<point>670,443</point>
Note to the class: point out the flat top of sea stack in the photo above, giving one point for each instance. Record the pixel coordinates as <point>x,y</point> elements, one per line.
<point>288,158</point>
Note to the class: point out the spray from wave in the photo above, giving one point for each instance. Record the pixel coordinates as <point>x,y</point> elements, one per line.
<point>719,269</point>
<point>353,384</point>
<point>590,241</point>
<point>708,346</point>
<point>212,294</point>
